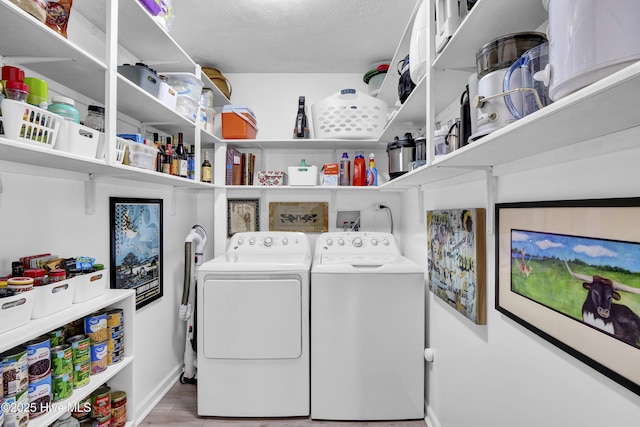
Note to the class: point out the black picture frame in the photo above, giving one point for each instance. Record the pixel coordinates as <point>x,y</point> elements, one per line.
<point>136,229</point>
<point>242,215</point>
<point>554,258</point>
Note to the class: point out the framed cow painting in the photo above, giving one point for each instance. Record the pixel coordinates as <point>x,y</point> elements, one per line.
<point>570,272</point>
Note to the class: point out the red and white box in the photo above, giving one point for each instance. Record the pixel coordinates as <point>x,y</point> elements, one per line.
<point>271,178</point>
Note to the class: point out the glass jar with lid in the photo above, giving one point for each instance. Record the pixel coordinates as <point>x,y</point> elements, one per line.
<point>65,107</point>
<point>95,118</point>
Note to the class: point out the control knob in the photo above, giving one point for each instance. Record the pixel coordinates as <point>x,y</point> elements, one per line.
<point>385,242</point>
<point>252,241</point>
<point>374,242</point>
<point>268,241</point>
<point>357,242</point>
<point>285,241</point>
<point>341,242</point>
<point>329,242</point>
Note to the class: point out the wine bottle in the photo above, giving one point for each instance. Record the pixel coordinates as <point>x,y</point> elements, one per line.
<point>205,169</point>
<point>181,156</point>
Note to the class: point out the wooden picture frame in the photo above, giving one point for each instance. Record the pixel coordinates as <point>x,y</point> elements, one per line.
<point>456,263</point>
<point>570,272</point>
<point>309,217</point>
<point>136,247</point>
<point>242,215</point>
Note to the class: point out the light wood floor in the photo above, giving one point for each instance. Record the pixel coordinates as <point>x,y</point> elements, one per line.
<point>179,408</point>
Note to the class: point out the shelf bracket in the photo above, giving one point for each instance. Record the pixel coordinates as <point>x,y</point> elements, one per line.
<point>90,195</point>
<point>421,212</point>
<point>492,193</point>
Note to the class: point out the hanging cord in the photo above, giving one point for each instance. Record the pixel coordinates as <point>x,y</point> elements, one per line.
<point>390,215</point>
<point>356,224</point>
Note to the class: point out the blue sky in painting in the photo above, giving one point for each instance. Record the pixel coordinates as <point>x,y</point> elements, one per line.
<point>592,251</point>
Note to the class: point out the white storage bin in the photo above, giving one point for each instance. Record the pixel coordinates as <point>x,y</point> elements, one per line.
<point>52,298</point>
<point>27,123</point>
<point>78,139</point>
<point>303,175</point>
<point>141,156</point>
<point>89,286</point>
<point>349,114</point>
<point>16,310</point>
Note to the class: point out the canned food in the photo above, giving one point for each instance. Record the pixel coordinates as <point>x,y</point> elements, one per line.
<point>62,360</point>
<point>114,357</point>
<point>62,386</point>
<point>99,360</point>
<point>115,318</point>
<point>57,275</point>
<point>39,357</point>
<point>81,374</point>
<point>104,422</point>
<point>115,344</point>
<point>39,396</point>
<point>79,348</point>
<point>56,337</point>
<point>101,402</point>
<point>118,409</point>
<point>82,409</point>
<point>95,325</point>
<point>116,332</point>
<point>16,409</point>
<point>20,284</point>
<point>15,371</point>
<point>1,408</point>
<point>88,422</point>
<point>38,275</point>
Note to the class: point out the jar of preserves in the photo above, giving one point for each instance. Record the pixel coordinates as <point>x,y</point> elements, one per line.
<point>118,409</point>
<point>38,275</point>
<point>95,118</point>
<point>57,275</point>
<point>65,107</point>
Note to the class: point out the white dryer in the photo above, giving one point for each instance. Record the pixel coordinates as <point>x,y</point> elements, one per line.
<point>253,327</point>
<point>367,329</point>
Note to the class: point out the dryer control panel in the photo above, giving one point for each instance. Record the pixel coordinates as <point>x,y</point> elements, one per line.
<point>269,242</point>
<point>357,242</point>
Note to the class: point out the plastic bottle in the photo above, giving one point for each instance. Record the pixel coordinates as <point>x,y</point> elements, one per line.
<point>359,170</point>
<point>372,172</point>
<point>345,170</point>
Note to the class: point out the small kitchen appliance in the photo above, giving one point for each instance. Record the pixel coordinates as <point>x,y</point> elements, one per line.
<point>449,16</point>
<point>493,61</point>
<point>532,94</point>
<point>401,152</point>
<point>589,39</point>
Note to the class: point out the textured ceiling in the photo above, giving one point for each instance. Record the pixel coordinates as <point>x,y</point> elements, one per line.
<point>290,36</point>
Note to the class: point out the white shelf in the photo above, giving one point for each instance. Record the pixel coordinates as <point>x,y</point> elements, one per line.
<point>306,188</point>
<point>26,40</point>
<point>304,144</point>
<point>488,20</point>
<point>568,122</point>
<point>95,381</point>
<point>37,327</point>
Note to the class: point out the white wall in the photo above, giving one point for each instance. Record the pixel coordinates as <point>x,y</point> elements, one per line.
<point>47,214</point>
<point>501,374</point>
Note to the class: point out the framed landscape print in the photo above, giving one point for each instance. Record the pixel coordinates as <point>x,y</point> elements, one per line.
<point>456,261</point>
<point>136,247</point>
<point>311,217</point>
<point>570,272</point>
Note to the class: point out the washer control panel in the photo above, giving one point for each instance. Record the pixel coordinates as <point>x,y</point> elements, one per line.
<point>357,242</point>
<point>268,242</point>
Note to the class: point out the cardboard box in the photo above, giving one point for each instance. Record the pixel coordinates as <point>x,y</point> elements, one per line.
<point>270,178</point>
<point>330,174</point>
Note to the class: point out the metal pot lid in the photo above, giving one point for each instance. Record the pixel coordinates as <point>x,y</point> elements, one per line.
<point>405,141</point>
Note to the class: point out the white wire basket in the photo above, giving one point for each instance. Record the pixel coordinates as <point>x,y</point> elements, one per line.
<point>27,123</point>
<point>349,114</point>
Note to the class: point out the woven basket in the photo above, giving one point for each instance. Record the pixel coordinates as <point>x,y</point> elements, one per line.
<point>219,80</point>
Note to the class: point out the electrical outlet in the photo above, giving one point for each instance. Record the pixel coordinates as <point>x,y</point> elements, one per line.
<point>347,219</point>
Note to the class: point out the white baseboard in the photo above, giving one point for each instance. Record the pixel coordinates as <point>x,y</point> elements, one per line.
<point>149,402</point>
<point>431,419</point>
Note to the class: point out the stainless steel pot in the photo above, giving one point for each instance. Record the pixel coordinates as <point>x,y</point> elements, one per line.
<point>401,152</point>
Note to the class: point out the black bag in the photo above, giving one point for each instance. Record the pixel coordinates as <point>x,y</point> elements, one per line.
<point>405,85</point>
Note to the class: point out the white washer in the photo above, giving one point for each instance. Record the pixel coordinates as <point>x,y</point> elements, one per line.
<point>253,327</point>
<point>367,329</point>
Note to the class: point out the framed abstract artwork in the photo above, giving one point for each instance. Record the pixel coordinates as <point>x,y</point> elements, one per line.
<point>570,272</point>
<point>136,247</point>
<point>456,263</point>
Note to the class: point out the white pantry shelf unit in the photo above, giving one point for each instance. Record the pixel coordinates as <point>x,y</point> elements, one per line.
<point>122,299</point>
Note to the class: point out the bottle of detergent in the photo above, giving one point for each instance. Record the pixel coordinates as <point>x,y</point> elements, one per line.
<point>345,170</point>
<point>359,170</point>
<point>372,172</point>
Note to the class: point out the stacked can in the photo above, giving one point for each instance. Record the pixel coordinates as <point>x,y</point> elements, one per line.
<point>80,350</point>
<point>39,361</point>
<point>101,405</point>
<point>15,383</point>
<point>57,337</point>
<point>61,372</point>
<point>118,409</point>
<point>95,326</point>
<point>115,344</point>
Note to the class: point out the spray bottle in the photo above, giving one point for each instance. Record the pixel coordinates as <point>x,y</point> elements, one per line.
<point>372,172</point>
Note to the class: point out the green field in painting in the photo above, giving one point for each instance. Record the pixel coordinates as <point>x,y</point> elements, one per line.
<point>551,285</point>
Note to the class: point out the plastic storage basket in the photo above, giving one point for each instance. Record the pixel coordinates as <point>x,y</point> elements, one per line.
<point>142,156</point>
<point>349,114</point>
<point>27,123</point>
<point>78,139</point>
